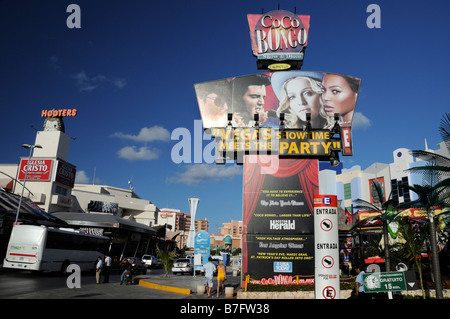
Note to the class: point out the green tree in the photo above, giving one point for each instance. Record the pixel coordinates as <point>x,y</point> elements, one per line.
<point>167,259</point>
<point>386,213</point>
<point>410,245</point>
<point>431,198</point>
<point>435,193</point>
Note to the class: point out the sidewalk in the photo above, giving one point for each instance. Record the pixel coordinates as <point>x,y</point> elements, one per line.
<point>184,283</point>
<point>114,290</point>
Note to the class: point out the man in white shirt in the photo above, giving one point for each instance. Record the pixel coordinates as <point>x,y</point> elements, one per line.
<point>107,268</point>
<point>210,269</point>
<point>98,269</point>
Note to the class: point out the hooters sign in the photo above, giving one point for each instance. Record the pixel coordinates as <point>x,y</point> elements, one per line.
<point>38,169</point>
<point>279,39</point>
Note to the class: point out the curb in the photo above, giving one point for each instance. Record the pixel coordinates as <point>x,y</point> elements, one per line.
<point>162,287</point>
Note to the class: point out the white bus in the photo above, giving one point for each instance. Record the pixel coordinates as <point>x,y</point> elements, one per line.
<point>43,248</point>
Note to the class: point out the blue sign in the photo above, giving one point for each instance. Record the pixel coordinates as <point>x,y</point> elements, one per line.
<point>201,240</point>
<point>282,266</point>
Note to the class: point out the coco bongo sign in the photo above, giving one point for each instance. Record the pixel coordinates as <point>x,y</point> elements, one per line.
<point>278,36</point>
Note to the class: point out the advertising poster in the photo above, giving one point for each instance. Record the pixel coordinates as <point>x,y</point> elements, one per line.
<point>38,169</point>
<point>279,202</point>
<point>276,259</point>
<point>293,93</point>
<point>202,242</point>
<point>65,173</point>
<point>277,215</point>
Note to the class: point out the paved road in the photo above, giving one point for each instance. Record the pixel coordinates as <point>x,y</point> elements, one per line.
<point>24,285</point>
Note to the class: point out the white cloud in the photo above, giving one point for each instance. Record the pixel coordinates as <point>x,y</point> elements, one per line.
<point>87,83</point>
<point>194,174</point>
<point>81,178</point>
<point>360,121</point>
<point>133,153</point>
<point>147,134</point>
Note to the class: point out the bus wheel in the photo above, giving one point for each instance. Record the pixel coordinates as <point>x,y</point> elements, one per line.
<point>64,266</point>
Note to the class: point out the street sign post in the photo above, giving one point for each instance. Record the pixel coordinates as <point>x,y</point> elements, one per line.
<point>384,281</point>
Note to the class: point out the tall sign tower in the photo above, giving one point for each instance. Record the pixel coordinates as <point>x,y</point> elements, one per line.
<point>193,203</point>
<point>279,124</point>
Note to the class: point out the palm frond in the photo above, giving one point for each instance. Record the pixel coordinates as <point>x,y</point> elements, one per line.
<point>444,130</point>
<point>426,155</point>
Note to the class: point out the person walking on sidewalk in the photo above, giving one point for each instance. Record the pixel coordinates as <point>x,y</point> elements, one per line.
<point>210,269</point>
<point>221,277</point>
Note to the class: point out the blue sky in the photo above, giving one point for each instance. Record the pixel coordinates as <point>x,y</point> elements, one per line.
<point>131,67</point>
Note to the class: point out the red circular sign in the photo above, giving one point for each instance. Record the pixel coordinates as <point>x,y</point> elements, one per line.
<point>327,261</point>
<point>329,292</point>
<point>326,225</point>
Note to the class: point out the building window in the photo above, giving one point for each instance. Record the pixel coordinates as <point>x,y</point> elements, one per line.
<point>400,191</point>
<point>60,190</point>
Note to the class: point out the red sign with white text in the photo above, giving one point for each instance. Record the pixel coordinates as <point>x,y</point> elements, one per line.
<point>38,169</point>
<point>346,138</point>
<point>278,35</point>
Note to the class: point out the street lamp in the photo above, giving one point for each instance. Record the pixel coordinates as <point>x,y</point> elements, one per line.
<point>31,147</point>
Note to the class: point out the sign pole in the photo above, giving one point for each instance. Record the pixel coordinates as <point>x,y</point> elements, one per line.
<point>326,247</point>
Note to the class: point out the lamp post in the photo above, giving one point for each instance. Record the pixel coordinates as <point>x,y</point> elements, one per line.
<point>31,147</point>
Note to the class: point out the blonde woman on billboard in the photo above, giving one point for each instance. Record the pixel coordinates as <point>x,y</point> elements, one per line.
<point>300,94</point>
<point>339,94</point>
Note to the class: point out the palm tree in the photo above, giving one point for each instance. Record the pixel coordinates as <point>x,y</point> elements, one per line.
<point>386,213</point>
<point>410,245</point>
<point>431,198</point>
<point>166,258</point>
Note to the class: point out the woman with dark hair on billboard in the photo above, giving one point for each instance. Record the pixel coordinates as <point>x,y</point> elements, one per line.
<point>339,94</point>
<point>300,95</point>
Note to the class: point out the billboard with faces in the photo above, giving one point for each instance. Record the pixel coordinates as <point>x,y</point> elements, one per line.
<point>293,93</point>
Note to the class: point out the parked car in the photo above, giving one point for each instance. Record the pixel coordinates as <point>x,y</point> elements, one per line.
<point>151,261</point>
<point>136,262</point>
<point>183,265</point>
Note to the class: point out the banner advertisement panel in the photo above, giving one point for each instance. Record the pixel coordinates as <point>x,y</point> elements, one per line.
<point>202,243</point>
<point>268,95</point>
<point>277,216</point>
<point>38,169</point>
<point>326,247</point>
<point>287,143</point>
<point>281,201</point>
<point>105,207</point>
<point>269,256</point>
<point>65,173</point>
